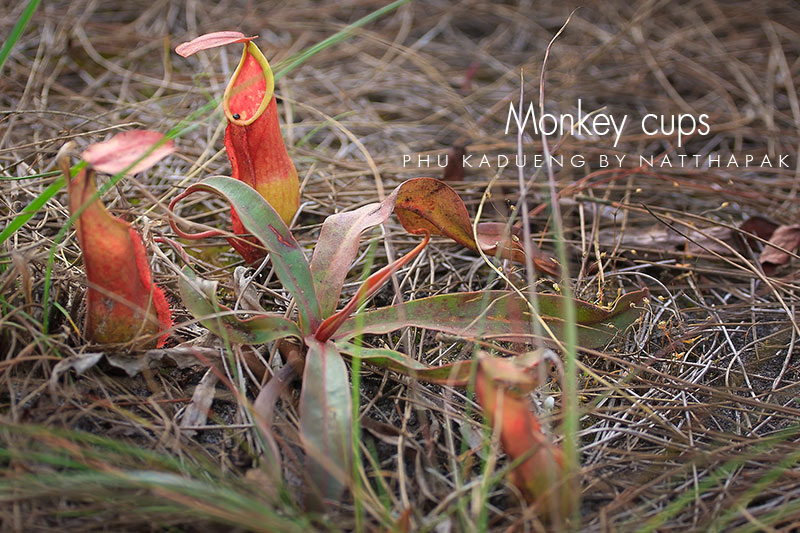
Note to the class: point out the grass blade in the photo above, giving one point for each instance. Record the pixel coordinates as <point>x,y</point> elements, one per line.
<point>17,31</point>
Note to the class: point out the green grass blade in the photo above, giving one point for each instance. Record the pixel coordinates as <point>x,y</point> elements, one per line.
<point>16,31</point>
<point>718,476</point>
<point>49,174</point>
<point>32,208</point>
<point>122,477</point>
<point>336,38</point>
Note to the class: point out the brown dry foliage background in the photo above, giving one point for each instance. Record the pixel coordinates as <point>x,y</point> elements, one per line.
<point>678,413</point>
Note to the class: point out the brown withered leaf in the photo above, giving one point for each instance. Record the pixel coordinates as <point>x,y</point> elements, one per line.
<point>786,237</point>
<point>661,237</point>
<point>196,412</point>
<point>760,227</point>
<point>712,239</point>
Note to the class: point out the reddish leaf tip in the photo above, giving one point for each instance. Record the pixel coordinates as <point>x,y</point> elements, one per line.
<point>124,149</point>
<point>211,40</point>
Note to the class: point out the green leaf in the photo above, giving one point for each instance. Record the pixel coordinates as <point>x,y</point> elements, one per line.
<point>454,374</point>
<point>337,247</point>
<point>260,219</point>
<point>501,315</point>
<point>198,296</point>
<point>326,420</point>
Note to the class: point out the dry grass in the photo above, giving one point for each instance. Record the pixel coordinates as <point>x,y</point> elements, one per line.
<point>690,422</point>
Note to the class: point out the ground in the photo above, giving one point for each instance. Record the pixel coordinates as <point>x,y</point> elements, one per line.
<point>688,420</point>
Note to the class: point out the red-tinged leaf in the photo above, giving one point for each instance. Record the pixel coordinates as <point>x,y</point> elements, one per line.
<point>454,374</point>
<point>123,304</point>
<point>428,203</point>
<point>259,218</point>
<point>124,149</point>
<point>326,421</point>
<point>520,373</point>
<point>337,247</point>
<point>199,297</point>
<point>255,145</point>
<point>367,289</point>
<point>540,474</point>
<point>433,205</point>
<point>786,237</point>
<point>211,40</point>
<point>425,206</point>
<point>501,315</point>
